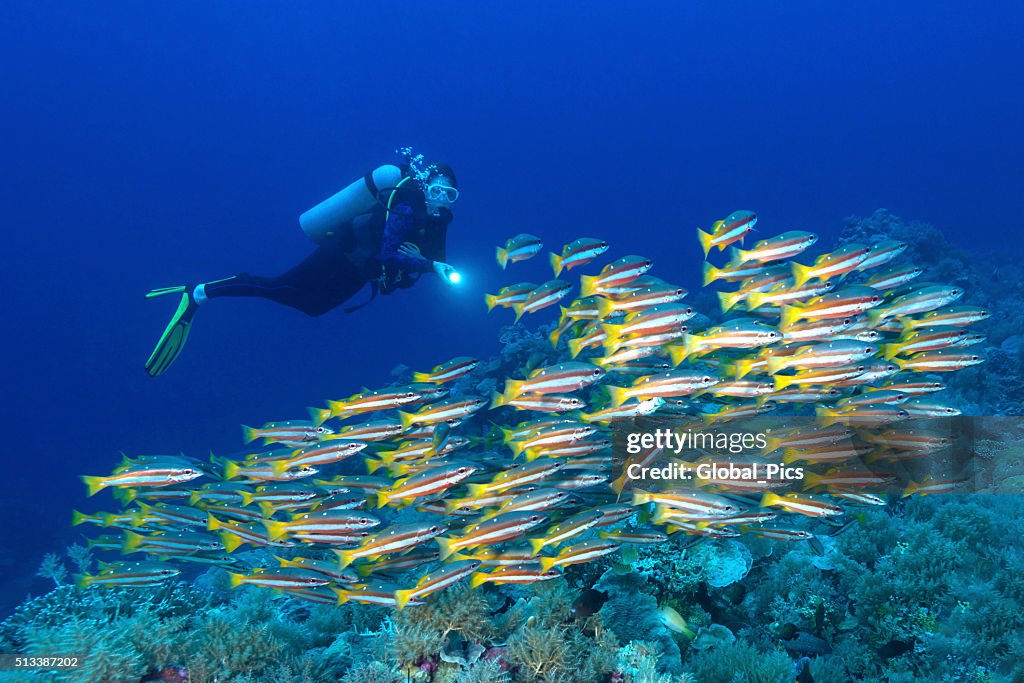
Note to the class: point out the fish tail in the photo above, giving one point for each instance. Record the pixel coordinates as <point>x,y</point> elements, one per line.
<point>742,367</point>
<point>705,241</point>
<point>776,365</point>
<point>516,447</point>
<point>790,455</point>
<point>710,273</point>
<point>605,307</point>
<point>788,315</point>
<point>770,444</point>
<point>546,563</point>
<point>575,346</point>
<point>231,542</point>
<point>132,541</point>
<point>811,480</point>
<point>769,499</point>
<point>382,499</point>
<point>741,256</point>
<point>875,317</point>
<point>676,353</point>
<point>491,300</point>
<point>619,485</point>
<point>533,453</point>
<point>94,484</point>
<point>402,596</point>
<point>497,400</point>
<point>407,419</point>
<point>230,469</point>
<point>640,497</point>
<point>212,523</point>
<point>536,545</point>
<point>479,578</point>
<point>82,581</point>
<point>755,300</point>
<point>78,518</point>
<point>691,344</point>
<point>612,333</point>
<point>729,299</point>
<point>126,495</point>
<point>422,377</point>
<point>445,545</point>
<point>801,273</point>
<point>235,580</point>
<point>588,283</point>
<point>783,381</point>
<point>513,388</point>
<point>519,309</point>
<point>476,490</point>
<point>246,497</point>
<point>501,255</point>
<point>556,263</point>
<point>319,415</point>
<point>911,489</point>
<point>250,434</point>
<point>826,416</point>
<point>617,395</point>
<point>345,557</point>
<point>275,528</point>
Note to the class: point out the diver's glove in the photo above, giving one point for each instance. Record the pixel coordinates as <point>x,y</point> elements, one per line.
<point>447,272</point>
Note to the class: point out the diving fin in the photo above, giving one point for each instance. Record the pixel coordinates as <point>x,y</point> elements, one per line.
<point>173,339</point>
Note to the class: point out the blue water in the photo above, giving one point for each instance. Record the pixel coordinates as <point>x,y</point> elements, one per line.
<point>149,144</point>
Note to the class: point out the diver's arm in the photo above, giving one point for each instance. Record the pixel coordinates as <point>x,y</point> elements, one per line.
<point>393,250</point>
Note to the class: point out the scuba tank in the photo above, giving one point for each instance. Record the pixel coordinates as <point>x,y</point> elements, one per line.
<point>326,219</point>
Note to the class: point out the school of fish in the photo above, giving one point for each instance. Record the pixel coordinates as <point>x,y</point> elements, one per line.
<point>506,500</point>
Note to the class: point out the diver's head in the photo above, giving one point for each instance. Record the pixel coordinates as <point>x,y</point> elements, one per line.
<point>441,189</point>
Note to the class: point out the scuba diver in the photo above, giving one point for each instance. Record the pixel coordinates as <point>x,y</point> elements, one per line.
<point>386,229</point>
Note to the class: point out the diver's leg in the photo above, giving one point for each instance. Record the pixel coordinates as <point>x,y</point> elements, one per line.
<point>322,282</point>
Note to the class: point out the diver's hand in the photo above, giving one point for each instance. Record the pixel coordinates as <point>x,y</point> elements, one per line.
<point>411,250</point>
<point>444,270</point>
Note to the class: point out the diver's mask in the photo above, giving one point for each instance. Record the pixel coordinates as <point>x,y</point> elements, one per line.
<point>438,192</point>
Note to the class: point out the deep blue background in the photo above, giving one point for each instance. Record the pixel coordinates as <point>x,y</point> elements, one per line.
<point>151,144</point>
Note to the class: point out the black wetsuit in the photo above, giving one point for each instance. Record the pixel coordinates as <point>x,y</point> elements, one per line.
<point>364,251</point>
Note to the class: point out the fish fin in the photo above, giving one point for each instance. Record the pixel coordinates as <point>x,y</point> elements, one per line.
<point>801,273</point>
<point>790,455</point>
<point>788,315</point>
<point>769,499</point>
<point>605,307</point>
<point>705,241</point>
<point>94,484</point>
<point>740,255</point>
<point>519,309</point>
<point>497,400</point>
<point>556,263</point>
<point>345,557</point>
<point>710,273</point>
<point>513,388</point>
<point>231,469</point>
<point>612,334</point>
<point>319,415</point>
<point>275,528</point>
<point>783,381</point>
<point>676,353</point>
<point>587,285</point>
<point>875,317</point>
<point>575,346</point>
<point>78,518</point>
<point>536,545</point>
<point>640,498</point>
<point>445,545</point>
<point>546,563</point>
<point>826,416</point>
<point>407,419</point>
<point>132,541</point>
<point>617,395</point>
<point>755,300</point>
<point>382,499</point>
<point>235,580</point>
<point>82,581</point>
<point>776,364</point>
<point>501,255</point>
<point>911,489</point>
<point>402,596</point>
<point>729,299</point>
<point>230,541</point>
<point>477,579</point>
<point>742,367</point>
<point>249,434</point>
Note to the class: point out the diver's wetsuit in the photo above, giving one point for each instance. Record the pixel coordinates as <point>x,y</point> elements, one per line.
<point>364,251</point>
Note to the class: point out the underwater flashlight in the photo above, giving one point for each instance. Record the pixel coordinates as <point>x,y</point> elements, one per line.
<point>454,277</point>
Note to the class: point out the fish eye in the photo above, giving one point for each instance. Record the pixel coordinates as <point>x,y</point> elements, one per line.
<point>869,349</point>
<point>975,357</point>
<point>366,520</point>
<point>602,244</point>
<point>705,378</point>
<point>902,413</point>
<point>596,372</point>
<point>462,470</point>
<point>321,430</point>
<point>188,472</point>
<point>535,518</point>
<point>955,291</point>
<point>875,299</point>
